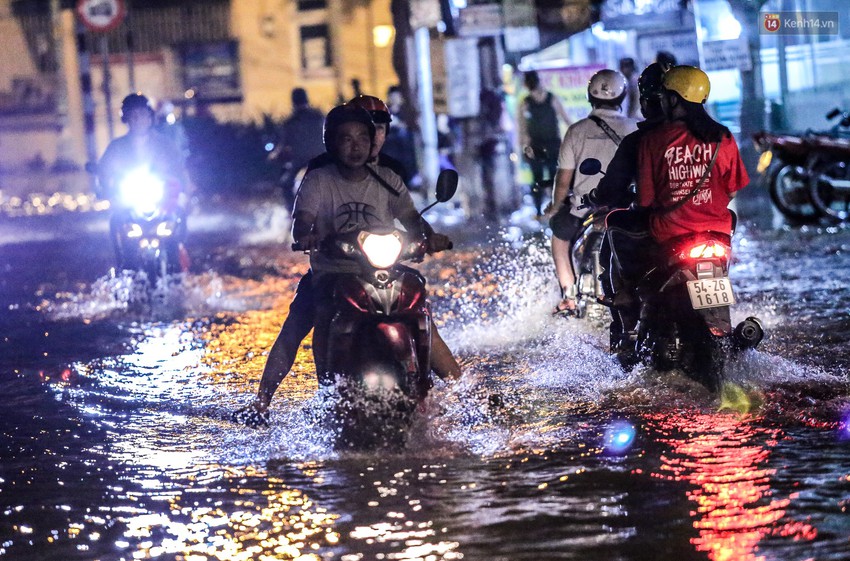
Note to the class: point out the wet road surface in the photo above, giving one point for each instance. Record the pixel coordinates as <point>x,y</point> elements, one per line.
<point>116,443</point>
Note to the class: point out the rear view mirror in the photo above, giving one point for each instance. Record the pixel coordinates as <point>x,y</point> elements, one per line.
<point>446,185</point>
<point>590,166</point>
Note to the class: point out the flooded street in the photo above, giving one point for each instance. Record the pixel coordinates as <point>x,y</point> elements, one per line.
<point>116,441</point>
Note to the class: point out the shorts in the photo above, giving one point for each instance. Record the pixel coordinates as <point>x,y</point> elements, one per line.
<point>566,226</point>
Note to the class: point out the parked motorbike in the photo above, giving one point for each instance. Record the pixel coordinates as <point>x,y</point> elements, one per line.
<point>379,341</point>
<point>786,163</point>
<point>829,176</point>
<point>685,301</point>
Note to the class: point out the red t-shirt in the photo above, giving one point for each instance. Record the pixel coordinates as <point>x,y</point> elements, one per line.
<point>671,162</point>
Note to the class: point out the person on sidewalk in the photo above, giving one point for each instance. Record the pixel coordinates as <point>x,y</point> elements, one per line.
<point>539,133</point>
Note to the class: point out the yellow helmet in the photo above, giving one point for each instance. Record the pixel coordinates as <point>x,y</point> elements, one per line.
<point>689,82</point>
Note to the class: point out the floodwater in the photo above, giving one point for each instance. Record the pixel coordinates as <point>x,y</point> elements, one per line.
<point>116,444</point>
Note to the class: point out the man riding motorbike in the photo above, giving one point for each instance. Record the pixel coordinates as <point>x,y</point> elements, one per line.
<point>145,149</point>
<point>614,191</point>
<point>596,136</point>
<point>323,182</point>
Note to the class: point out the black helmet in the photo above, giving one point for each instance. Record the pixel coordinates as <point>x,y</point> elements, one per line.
<point>341,114</point>
<point>651,80</point>
<point>134,101</point>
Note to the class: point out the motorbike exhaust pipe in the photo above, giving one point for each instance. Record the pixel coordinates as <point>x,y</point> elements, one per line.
<point>748,334</point>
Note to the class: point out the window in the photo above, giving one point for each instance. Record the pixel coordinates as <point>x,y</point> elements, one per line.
<point>315,47</point>
<point>307,5</point>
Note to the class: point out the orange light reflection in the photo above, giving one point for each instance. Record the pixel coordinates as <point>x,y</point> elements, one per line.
<point>724,456</point>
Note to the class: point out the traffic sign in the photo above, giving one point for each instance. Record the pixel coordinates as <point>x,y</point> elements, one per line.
<point>101,15</point>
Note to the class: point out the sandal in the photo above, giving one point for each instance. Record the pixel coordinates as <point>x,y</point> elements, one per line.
<point>568,304</point>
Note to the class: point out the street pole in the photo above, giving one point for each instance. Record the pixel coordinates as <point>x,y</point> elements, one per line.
<point>131,69</point>
<point>86,86</point>
<point>427,119</point>
<point>107,89</point>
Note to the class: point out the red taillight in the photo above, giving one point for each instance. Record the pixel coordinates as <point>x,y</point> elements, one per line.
<point>707,251</point>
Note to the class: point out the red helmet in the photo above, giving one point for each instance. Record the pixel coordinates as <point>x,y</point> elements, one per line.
<point>376,107</point>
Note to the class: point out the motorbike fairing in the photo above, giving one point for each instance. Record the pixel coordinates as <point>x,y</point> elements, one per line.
<point>380,325</point>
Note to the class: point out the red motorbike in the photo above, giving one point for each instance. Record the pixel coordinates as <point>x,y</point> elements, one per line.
<point>786,164</point>
<point>379,340</point>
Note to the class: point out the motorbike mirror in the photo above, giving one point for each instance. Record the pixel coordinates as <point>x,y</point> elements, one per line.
<point>91,167</point>
<point>590,166</point>
<point>446,185</point>
<point>833,114</point>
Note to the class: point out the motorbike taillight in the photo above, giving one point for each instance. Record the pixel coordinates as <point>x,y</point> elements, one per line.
<point>708,250</point>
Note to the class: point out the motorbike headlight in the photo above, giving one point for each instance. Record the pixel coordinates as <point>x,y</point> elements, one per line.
<point>164,229</point>
<point>142,191</point>
<point>764,161</point>
<point>382,250</point>
<point>134,231</point>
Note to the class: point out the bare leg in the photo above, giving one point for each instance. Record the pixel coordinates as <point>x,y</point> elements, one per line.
<point>561,256</point>
<point>442,361</point>
<point>297,325</point>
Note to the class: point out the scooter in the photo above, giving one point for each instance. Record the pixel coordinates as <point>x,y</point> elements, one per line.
<point>785,166</point>
<point>829,176</point>
<point>587,267</point>
<point>379,340</point>
<point>148,227</point>
<point>685,301</point>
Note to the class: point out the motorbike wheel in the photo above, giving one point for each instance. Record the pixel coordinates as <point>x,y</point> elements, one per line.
<point>789,192</point>
<point>710,354</point>
<point>832,203</point>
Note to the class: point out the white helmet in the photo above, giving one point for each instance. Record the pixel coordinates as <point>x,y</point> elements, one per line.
<point>607,87</point>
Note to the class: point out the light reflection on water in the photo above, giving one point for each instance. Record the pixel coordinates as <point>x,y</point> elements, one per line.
<point>513,462</point>
<point>725,458</point>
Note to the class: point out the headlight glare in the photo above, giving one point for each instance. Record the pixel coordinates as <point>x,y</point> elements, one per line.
<point>382,251</point>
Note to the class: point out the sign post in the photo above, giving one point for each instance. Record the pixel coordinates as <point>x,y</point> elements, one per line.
<point>99,16</point>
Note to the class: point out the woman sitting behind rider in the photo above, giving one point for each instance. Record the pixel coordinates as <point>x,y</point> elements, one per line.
<point>673,158</point>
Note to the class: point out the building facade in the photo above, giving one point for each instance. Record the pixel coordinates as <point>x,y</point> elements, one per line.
<point>237,60</point>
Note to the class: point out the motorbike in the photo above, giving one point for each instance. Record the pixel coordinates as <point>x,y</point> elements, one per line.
<point>785,165</point>
<point>379,340</point>
<point>147,226</point>
<point>829,176</point>
<point>685,302</point>
<point>585,256</point>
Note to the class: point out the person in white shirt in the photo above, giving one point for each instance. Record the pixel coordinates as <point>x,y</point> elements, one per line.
<point>596,136</point>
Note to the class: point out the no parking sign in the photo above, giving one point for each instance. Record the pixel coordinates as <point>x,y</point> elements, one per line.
<point>101,15</point>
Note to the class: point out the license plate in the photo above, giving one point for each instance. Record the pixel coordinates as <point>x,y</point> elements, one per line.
<point>711,293</point>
